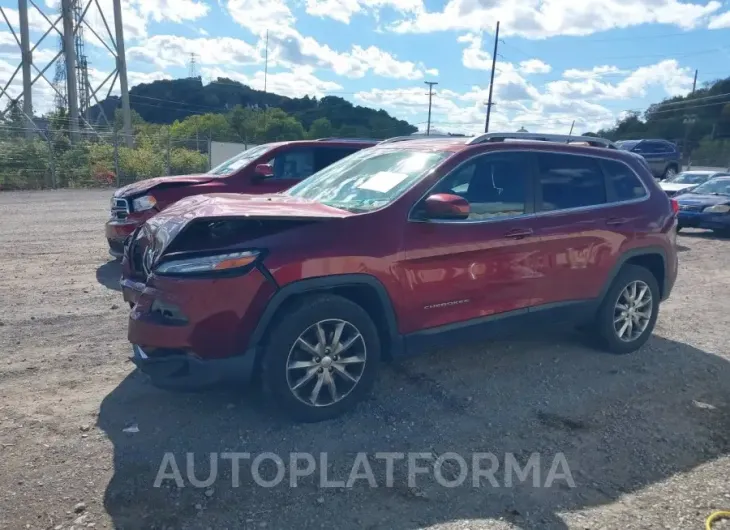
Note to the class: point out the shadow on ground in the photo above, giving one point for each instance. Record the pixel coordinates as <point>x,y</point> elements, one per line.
<point>704,234</point>
<point>622,422</point>
<point>109,273</point>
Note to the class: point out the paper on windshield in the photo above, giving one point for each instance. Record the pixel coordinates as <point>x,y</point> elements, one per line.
<point>383,181</point>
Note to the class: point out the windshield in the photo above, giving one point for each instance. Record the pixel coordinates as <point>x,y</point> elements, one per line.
<point>368,179</point>
<point>627,145</point>
<point>689,178</point>
<point>713,187</point>
<point>241,159</point>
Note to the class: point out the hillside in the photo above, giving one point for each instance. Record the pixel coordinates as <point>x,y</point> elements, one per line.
<point>164,102</point>
<point>701,116</point>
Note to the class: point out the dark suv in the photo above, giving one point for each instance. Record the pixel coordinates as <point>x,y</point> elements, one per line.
<point>266,168</point>
<point>663,157</point>
<point>404,246</point>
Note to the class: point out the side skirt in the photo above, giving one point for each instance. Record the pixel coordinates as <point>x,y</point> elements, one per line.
<point>532,320</point>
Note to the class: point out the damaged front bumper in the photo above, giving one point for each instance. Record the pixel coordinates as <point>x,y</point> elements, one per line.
<point>179,370</point>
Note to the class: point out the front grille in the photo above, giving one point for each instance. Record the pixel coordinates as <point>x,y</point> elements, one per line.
<point>120,209</point>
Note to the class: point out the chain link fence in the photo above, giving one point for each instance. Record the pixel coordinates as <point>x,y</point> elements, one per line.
<point>40,160</point>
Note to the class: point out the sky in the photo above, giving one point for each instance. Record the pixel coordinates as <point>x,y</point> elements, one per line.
<point>558,61</point>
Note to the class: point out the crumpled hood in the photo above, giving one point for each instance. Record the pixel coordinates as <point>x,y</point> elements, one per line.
<point>161,229</point>
<point>137,188</point>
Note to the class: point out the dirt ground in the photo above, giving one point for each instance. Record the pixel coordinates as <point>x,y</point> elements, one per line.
<point>646,436</point>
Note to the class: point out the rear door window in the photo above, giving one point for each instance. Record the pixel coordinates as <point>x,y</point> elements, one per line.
<point>569,181</point>
<point>623,184</point>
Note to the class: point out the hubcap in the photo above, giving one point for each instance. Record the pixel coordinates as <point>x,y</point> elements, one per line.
<point>632,311</point>
<point>331,354</point>
<point>671,173</point>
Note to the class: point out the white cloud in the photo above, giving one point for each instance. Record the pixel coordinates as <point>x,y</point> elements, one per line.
<point>171,50</point>
<point>595,72</point>
<point>172,10</point>
<point>667,75</point>
<point>343,10</point>
<point>291,49</point>
<point>720,21</point>
<point>258,16</point>
<point>296,83</point>
<point>538,19</point>
<point>534,66</point>
<point>550,108</point>
<point>473,56</point>
<point>288,48</point>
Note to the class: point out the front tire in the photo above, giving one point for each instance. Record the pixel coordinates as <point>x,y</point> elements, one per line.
<point>322,358</point>
<point>628,313</point>
<point>670,172</point>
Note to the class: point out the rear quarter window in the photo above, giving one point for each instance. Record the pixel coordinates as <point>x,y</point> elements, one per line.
<point>622,183</point>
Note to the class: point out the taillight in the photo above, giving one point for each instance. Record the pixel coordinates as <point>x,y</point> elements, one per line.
<point>675,205</point>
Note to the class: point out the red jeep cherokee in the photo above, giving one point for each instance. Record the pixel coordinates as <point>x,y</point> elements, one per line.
<point>266,168</point>
<point>406,245</point>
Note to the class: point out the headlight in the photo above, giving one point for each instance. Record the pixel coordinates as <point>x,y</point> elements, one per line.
<point>144,203</point>
<point>718,208</point>
<point>217,263</point>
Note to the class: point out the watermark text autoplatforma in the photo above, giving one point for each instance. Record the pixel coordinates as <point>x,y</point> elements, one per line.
<point>450,469</point>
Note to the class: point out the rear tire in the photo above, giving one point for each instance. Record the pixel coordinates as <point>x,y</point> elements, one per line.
<point>325,346</point>
<point>628,312</point>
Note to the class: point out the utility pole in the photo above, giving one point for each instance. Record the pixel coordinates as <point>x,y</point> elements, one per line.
<point>27,59</point>
<point>430,97</point>
<point>266,60</point>
<point>122,71</point>
<point>69,50</point>
<point>694,84</point>
<point>491,81</point>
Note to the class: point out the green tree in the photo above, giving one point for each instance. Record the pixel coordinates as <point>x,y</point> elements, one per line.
<point>203,126</point>
<point>278,126</point>
<point>320,128</point>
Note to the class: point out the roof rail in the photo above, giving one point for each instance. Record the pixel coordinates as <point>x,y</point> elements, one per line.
<point>560,138</point>
<point>333,139</point>
<point>419,137</point>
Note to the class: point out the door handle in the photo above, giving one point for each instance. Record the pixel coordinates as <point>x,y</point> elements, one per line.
<point>519,233</point>
<point>616,221</point>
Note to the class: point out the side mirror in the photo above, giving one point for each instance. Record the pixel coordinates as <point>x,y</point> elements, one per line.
<point>446,206</point>
<point>264,170</point>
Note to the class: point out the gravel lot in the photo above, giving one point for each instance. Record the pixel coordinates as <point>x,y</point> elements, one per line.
<point>646,436</point>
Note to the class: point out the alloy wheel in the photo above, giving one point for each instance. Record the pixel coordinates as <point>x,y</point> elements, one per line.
<point>632,311</point>
<point>326,362</point>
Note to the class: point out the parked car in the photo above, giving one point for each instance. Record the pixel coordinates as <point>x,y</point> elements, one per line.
<point>402,247</point>
<point>266,168</point>
<point>687,180</point>
<point>706,206</point>
<point>663,157</point>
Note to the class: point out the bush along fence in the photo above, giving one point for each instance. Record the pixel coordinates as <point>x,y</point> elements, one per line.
<point>95,159</point>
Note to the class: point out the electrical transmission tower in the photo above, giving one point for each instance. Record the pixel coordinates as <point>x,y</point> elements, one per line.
<point>82,72</point>
<point>71,79</point>
<point>193,66</point>
<point>59,81</point>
